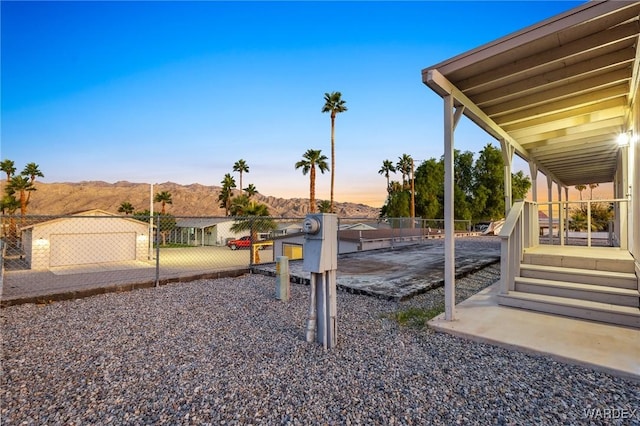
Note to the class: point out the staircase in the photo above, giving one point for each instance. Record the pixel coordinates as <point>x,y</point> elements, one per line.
<point>596,284</point>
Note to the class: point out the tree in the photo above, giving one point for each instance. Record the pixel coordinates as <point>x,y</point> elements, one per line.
<point>228,183</point>
<point>241,166</point>
<point>310,160</point>
<point>404,166</point>
<point>239,205</point>
<point>165,223</point>
<point>22,186</point>
<point>520,185</point>
<point>580,188</point>
<point>251,190</point>
<point>334,104</point>
<point>126,208</point>
<point>163,197</point>
<point>324,206</point>
<point>387,167</point>
<point>256,219</point>
<point>9,206</point>
<point>31,170</point>
<point>592,186</point>
<point>489,184</point>
<point>9,167</point>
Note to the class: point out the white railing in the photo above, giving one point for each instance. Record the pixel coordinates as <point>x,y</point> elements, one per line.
<point>569,231</point>
<point>520,231</point>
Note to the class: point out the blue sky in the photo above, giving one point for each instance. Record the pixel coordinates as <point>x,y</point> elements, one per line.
<point>179,91</point>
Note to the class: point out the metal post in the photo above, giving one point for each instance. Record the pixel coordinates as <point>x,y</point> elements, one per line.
<point>282,278</point>
<point>449,247</point>
<point>158,251</point>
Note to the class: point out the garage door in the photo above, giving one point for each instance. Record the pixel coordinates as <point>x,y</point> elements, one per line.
<point>80,249</point>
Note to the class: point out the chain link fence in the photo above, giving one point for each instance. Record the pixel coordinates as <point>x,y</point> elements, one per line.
<point>96,250</point>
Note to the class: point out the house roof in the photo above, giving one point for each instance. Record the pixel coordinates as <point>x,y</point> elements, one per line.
<point>558,92</point>
<point>86,213</point>
<point>199,222</point>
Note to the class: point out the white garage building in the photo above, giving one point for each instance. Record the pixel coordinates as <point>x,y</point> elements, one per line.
<point>94,236</point>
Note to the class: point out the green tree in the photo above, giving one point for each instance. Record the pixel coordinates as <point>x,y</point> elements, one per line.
<point>430,189</point>
<point>310,160</point>
<point>255,219</point>
<point>489,183</point>
<point>580,188</point>
<point>22,186</point>
<point>404,166</point>
<point>251,190</point>
<point>8,167</point>
<point>228,183</point>
<point>126,208</point>
<point>164,198</point>
<point>241,167</point>
<point>387,167</point>
<point>239,205</point>
<point>324,206</point>
<point>9,206</point>
<point>333,104</point>
<point>520,185</point>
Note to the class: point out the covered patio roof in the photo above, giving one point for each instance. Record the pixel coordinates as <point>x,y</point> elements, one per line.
<point>558,92</point>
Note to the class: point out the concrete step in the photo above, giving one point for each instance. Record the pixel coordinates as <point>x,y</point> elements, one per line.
<point>591,292</point>
<point>581,261</point>
<point>584,276</point>
<point>594,311</point>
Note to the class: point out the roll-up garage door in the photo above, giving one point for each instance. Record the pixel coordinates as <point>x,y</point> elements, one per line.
<point>81,249</point>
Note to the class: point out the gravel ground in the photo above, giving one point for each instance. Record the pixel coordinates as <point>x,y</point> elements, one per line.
<point>226,352</point>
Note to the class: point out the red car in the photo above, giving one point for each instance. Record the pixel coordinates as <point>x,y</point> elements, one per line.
<point>244,242</point>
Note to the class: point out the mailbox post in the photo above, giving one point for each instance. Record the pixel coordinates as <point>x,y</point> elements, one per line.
<point>321,260</point>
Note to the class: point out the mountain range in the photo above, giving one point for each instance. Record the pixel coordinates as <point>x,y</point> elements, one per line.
<point>187,200</point>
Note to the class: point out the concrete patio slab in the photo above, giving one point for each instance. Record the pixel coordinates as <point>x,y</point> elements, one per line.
<point>609,348</point>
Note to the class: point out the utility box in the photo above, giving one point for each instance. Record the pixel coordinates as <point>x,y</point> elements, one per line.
<point>321,242</point>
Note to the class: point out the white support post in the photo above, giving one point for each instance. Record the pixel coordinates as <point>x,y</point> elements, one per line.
<point>449,243</point>
<point>566,215</point>
<point>507,158</point>
<point>533,170</point>
<point>560,217</point>
<point>550,199</point>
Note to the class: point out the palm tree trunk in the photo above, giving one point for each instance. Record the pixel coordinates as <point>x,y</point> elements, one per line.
<point>333,155</point>
<point>312,190</point>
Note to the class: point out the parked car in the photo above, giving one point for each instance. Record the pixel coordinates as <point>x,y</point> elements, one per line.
<point>243,242</point>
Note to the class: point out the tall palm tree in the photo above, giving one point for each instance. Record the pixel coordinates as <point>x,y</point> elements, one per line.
<point>404,166</point>
<point>239,204</point>
<point>310,160</point>
<point>387,167</point>
<point>580,188</point>
<point>126,208</point>
<point>241,166</point>
<point>334,104</point>
<point>163,197</point>
<point>251,190</point>
<point>9,205</point>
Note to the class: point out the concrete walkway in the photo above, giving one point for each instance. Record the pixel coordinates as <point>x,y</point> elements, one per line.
<point>609,348</point>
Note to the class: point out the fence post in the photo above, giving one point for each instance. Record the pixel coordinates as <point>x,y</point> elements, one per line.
<point>157,250</point>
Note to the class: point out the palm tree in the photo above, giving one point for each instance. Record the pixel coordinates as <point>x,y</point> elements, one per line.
<point>241,166</point>
<point>334,104</point>
<point>324,206</point>
<point>580,188</point>
<point>22,186</point>
<point>311,159</point>
<point>9,205</point>
<point>126,208</point>
<point>251,190</point>
<point>228,183</point>
<point>8,167</point>
<point>404,166</point>
<point>387,167</point>
<point>32,170</point>
<point>592,186</point>
<point>239,204</point>
<point>256,219</point>
<point>163,197</point>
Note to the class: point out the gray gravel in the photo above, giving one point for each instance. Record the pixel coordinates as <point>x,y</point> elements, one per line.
<point>226,352</point>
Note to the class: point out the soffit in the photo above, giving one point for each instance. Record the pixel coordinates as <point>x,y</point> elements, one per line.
<point>558,91</point>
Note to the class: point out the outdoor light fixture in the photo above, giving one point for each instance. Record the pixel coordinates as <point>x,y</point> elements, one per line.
<point>624,138</point>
